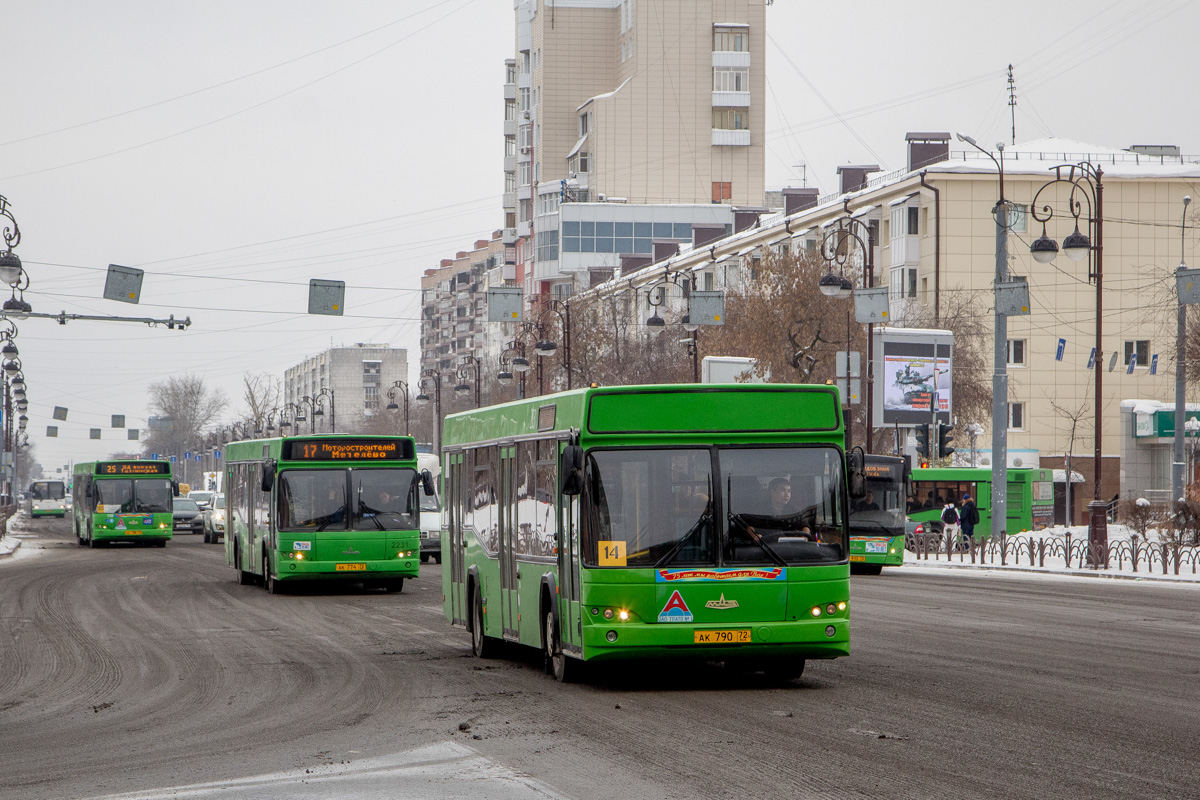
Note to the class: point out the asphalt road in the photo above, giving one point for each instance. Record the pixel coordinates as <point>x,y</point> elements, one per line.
<point>146,673</point>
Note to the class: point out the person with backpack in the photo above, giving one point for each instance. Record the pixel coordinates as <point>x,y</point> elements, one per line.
<point>950,521</point>
<point>969,516</point>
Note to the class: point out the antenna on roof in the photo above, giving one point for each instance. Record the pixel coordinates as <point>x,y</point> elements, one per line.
<point>803,173</point>
<point>1012,102</point>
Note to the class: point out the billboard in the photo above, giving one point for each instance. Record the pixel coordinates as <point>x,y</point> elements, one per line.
<point>913,369</point>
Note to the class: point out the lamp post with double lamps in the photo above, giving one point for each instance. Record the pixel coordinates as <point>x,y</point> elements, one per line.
<point>1086,182</point>
<point>470,366</point>
<point>518,364</point>
<point>547,346</point>
<point>836,250</point>
<point>391,395</point>
<point>319,411</point>
<point>422,400</point>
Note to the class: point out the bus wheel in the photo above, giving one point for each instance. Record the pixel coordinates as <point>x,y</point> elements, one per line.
<point>269,582</point>
<point>482,645</point>
<point>79,536</point>
<point>783,671</point>
<point>395,585</point>
<point>243,578</point>
<point>161,543</point>
<point>557,662</point>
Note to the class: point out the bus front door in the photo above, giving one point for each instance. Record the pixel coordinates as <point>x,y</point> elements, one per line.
<point>510,609</point>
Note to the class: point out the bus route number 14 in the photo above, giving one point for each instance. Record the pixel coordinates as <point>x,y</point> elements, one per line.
<point>612,553</point>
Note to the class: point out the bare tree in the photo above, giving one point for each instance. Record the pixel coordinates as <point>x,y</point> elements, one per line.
<point>1074,418</point>
<point>261,393</point>
<point>182,408</point>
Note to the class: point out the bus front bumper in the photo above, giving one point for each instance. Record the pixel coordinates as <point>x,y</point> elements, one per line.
<point>310,570</point>
<point>822,638</point>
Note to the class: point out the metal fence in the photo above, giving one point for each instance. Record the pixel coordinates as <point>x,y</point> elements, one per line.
<point>1136,554</point>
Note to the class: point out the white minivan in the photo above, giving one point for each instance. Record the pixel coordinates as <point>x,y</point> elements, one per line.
<point>431,511</point>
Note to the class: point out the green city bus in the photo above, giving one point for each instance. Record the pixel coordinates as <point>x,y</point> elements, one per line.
<point>877,518</point>
<point>47,499</point>
<point>1030,496</point>
<point>122,501</point>
<point>329,507</point>
<point>635,522</point>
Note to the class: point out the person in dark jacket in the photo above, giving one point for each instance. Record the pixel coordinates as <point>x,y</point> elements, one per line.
<point>968,517</point>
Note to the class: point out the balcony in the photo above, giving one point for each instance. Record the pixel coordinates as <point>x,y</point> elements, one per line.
<point>731,99</point>
<point>721,137</point>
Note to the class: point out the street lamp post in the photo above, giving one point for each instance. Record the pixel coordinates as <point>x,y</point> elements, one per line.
<point>546,347</point>
<point>391,406</point>
<point>472,363</point>
<point>839,254</point>
<point>1087,184</point>
<point>1180,370</point>
<point>423,399</point>
<point>319,411</point>
<point>999,498</point>
<point>1192,429</point>
<point>518,364</point>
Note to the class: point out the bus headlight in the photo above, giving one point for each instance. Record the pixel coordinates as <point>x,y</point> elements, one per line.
<point>816,612</point>
<point>623,615</point>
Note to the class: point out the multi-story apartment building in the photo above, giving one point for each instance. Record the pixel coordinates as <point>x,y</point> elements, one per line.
<point>627,121</point>
<point>934,244</point>
<point>454,327</point>
<point>358,375</point>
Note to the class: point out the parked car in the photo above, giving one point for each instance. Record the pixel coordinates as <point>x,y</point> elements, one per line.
<point>187,516</point>
<point>214,520</point>
<point>202,498</point>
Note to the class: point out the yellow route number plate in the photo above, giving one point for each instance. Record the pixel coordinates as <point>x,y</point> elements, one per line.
<point>349,567</point>
<point>858,558</point>
<point>732,636</point>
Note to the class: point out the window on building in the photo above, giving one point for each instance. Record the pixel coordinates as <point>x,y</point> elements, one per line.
<point>722,191</point>
<point>510,109</point>
<point>510,73</point>
<point>914,220</point>
<point>1016,416</point>
<point>1141,348</point>
<point>731,119</point>
<point>583,124</point>
<point>731,79</point>
<point>735,40</point>
<point>912,282</point>
<point>1016,352</point>
<point>1016,217</point>
<point>524,96</point>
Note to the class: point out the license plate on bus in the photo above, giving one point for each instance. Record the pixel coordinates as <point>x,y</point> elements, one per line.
<point>133,533</point>
<point>858,558</point>
<point>729,636</point>
<point>349,567</point>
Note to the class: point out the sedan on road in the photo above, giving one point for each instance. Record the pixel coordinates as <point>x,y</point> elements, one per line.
<point>214,520</point>
<point>187,516</point>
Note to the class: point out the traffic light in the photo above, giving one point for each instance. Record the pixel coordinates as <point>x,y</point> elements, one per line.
<point>945,437</point>
<point>923,440</point>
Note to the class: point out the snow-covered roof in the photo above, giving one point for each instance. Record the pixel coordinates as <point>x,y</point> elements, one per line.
<point>1039,156</point>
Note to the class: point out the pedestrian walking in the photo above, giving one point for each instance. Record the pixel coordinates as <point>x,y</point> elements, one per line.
<point>950,522</point>
<point>968,517</point>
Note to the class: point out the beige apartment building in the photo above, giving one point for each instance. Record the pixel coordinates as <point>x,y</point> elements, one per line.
<point>348,382</point>
<point>934,239</point>
<point>653,104</point>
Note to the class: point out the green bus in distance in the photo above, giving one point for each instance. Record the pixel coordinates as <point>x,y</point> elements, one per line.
<point>325,507</point>
<point>1030,496</point>
<point>877,518</point>
<point>129,501</point>
<point>47,499</point>
<point>633,522</point>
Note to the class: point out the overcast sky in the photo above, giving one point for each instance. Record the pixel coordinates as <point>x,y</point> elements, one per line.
<point>234,149</point>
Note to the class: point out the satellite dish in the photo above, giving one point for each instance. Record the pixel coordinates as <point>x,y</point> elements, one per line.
<point>985,462</point>
<point>1017,462</point>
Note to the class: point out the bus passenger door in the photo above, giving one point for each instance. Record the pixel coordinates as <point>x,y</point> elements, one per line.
<point>505,508</point>
<point>454,574</point>
<point>568,573</point>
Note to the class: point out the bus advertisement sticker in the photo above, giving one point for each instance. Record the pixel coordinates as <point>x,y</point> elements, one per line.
<point>675,610</point>
<point>302,546</point>
<point>736,573</point>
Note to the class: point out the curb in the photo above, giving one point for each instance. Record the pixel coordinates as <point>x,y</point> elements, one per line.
<point>1068,573</point>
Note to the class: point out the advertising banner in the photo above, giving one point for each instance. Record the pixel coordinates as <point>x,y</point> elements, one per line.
<point>911,367</point>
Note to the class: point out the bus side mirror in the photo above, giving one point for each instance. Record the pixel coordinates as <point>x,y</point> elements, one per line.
<point>856,479</point>
<point>175,488</point>
<point>572,469</point>
<point>427,483</point>
<point>268,476</point>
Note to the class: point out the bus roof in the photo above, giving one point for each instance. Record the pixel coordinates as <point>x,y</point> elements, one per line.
<point>979,473</point>
<point>674,410</point>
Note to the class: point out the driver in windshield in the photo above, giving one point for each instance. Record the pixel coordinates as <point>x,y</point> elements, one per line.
<point>779,504</point>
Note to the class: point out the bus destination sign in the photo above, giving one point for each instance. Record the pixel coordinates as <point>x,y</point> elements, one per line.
<point>133,468</point>
<point>349,450</point>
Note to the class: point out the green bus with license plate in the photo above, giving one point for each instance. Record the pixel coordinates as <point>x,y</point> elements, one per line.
<point>324,507</point>
<point>122,501</point>
<point>877,518</point>
<point>638,522</point>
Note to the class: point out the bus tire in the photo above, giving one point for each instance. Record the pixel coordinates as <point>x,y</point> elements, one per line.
<point>563,667</point>
<point>79,536</point>
<point>243,578</point>
<point>482,645</point>
<point>783,671</point>
<point>161,543</point>
<point>394,585</point>
<point>269,583</point>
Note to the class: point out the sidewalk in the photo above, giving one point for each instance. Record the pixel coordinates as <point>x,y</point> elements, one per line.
<point>1055,563</point>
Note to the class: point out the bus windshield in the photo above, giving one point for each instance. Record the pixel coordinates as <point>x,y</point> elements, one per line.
<point>317,499</point>
<point>47,490</point>
<point>132,496</point>
<point>882,509</point>
<point>776,505</point>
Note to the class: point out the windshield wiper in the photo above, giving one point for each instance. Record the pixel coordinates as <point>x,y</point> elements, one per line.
<point>669,556</point>
<point>332,518</point>
<point>755,537</point>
